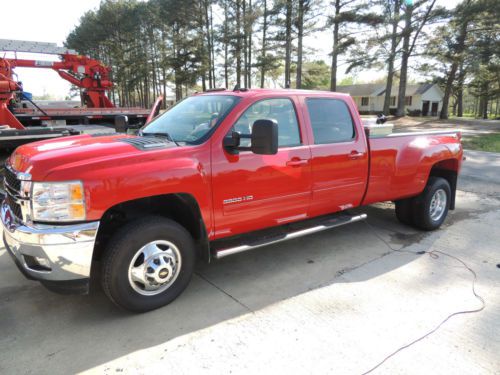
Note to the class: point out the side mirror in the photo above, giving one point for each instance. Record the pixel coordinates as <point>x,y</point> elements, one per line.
<point>264,137</point>
<point>121,123</point>
<point>232,141</point>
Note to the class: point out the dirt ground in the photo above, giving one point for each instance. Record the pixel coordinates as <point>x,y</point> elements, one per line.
<point>466,125</point>
<point>338,302</point>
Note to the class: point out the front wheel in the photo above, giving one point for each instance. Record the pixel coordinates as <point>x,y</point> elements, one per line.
<point>147,264</point>
<point>431,206</point>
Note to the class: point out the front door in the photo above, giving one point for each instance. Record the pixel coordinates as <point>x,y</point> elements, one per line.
<point>425,108</point>
<point>434,108</point>
<point>339,157</point>
<point>256,191</point>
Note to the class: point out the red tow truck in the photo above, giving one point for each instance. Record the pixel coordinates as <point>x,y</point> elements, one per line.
<point>22,120</point>
<point>220,173</point>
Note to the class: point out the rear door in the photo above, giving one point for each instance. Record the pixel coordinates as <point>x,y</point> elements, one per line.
<point>339,155</point>
<point>257,191</point>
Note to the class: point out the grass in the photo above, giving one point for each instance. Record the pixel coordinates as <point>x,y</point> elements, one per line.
<point>485,142</point>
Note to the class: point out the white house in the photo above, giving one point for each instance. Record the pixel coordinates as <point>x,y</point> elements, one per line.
<point>424,99</point>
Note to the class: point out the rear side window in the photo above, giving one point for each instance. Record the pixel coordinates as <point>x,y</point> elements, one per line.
<point>331,120</point>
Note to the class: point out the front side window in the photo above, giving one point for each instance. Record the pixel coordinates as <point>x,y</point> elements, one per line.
<point>331,120</point>
<point>280,110</point>
<point>192,120</point>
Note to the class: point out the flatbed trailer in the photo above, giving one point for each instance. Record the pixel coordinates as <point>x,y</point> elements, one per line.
<point>12,138</point>
<point>79,116</point>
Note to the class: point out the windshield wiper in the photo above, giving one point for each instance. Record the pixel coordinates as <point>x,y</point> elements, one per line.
<point>162,134</point>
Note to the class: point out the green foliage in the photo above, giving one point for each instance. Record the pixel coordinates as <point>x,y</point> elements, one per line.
<point>347,80</point>
<point>316,75</point>
<point>158,46</point>
<point>464,54</point>
<point>485,142</point>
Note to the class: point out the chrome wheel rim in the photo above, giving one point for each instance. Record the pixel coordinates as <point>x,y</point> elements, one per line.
<point>154,268</point>
<point>438,205</point>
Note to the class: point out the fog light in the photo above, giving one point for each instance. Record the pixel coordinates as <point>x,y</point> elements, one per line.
<point>37,263</point>
<point>44,262</point>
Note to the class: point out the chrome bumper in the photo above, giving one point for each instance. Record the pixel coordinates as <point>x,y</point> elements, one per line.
<point>50,253</point>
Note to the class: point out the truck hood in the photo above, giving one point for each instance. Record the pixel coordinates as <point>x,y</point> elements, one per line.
<point>41,158</point>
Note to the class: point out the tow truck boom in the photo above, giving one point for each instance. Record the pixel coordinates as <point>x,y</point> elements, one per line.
<point>19,123</point>
<point>82,71</point>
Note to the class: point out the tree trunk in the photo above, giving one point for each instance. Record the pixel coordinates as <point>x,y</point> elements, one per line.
<point>447,91</point>
<point>203,82</point>
<point>454,67</point>
<point>404,62</point>
<point>264,46</point>
<point>460,91</point>
<point>226,47</point>
<point>392,57</point>
<point>206,5</point>
<point>288,42</point>
<point>245,47</point>
<point>154,65</point>
<point>300,26</point>
<point>483,107</point>
<point>178,84</point>
<point>164,83</point>
<point>335,50</point>
<point>238,43</point>
<point>250,28</point>
<point>212,47</point>
<point>485,100</point>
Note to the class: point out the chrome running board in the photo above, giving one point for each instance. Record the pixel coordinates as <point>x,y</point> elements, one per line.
<point>326,224</point>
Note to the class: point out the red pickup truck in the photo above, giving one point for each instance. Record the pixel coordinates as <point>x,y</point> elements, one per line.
<point>219,173</point>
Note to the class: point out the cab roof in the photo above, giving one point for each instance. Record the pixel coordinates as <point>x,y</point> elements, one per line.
<point>271,92</point>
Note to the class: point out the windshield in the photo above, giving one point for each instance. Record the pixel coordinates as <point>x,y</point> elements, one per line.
<point>193,118</point>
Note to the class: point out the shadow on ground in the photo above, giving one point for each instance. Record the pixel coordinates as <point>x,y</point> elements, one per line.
<point>74,333</point>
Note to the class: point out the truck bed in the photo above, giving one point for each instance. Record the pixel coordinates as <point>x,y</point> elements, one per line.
<point>400,162</point>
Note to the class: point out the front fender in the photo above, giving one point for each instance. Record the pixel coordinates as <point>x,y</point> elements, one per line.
<point>113,181</point>
<point>185,176</point>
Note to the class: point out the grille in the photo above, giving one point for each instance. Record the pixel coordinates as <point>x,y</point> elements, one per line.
<point>13,190</point>
<point>12,181</point>
<point>14,207</point>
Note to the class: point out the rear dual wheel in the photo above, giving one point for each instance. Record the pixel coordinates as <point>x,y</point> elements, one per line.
<point>428,210</point>
<point>148,263</point>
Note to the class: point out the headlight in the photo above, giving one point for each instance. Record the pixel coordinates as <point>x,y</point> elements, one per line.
<point>58,201</point>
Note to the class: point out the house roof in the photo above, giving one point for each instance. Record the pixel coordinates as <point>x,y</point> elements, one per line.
<point>367,89</point>
<point>410,89</point>
<point>377,89</point>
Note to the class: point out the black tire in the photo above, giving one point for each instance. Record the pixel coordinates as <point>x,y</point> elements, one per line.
<point>404,211</point>
<point>421,209</point>
<point>122,248</point>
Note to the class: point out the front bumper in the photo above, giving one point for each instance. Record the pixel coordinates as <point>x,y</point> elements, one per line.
<point>60,256</point>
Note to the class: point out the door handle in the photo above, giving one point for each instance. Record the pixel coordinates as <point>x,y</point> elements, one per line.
<point>296,162</point>
<point>356,155</point>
